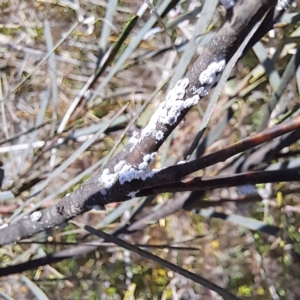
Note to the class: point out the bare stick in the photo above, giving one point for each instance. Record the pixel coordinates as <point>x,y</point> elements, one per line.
<point>115,182</point>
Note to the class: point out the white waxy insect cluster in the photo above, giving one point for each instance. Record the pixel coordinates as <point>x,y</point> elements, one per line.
<point>209,77</point>
<point>159,135</point>
<point>283,5</point>
<point>147,160</point>
<point>36,216</point>
<point>126,173</point>
<point>167,112</point>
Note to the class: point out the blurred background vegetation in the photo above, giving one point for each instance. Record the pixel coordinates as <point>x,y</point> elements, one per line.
<point>49,50</point>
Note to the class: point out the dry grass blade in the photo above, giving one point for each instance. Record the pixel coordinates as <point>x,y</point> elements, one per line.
<point>14,89</point>
<point>276,96</point>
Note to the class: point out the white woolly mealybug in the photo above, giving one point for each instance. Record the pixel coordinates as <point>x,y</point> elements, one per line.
<point>36,216</point>
<point>283,5</point>
<point>183,82</point>
<point>159,135</point>
<point>208,76</point>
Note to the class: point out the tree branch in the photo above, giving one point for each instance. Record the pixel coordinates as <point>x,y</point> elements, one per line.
<point>114,183</point>
<point>210,183</point>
